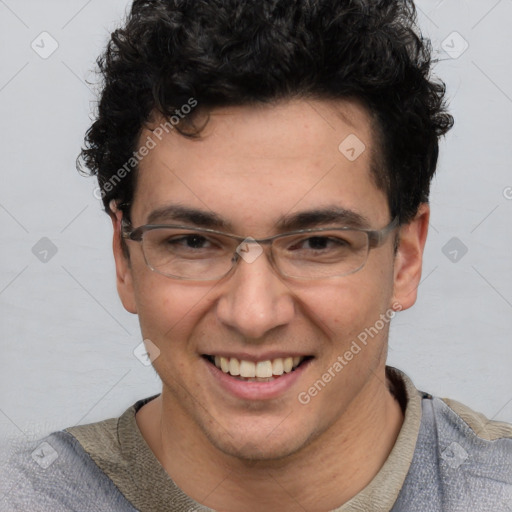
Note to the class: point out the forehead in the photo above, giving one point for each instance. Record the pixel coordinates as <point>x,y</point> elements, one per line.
<point>254,164</point>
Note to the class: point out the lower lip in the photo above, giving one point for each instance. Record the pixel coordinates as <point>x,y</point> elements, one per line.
<point>246,390</point>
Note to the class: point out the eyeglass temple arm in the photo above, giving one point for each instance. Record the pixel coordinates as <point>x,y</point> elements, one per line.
<point>378,237</point>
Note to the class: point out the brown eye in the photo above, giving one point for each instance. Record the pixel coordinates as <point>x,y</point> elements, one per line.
<point>319,243</point>
<point>189,241</point>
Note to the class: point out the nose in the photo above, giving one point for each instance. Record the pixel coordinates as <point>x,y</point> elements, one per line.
<point>254,299</point>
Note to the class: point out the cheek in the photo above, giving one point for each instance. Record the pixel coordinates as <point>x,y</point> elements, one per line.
<point>345,307</point>
<point>168,309</point>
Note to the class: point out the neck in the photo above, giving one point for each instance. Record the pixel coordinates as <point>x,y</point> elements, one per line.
<point>323,475</point>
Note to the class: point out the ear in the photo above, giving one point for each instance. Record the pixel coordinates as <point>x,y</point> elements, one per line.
<point>409,259</point>
<point>124,278</point>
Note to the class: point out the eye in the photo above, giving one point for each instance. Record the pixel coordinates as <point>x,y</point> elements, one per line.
<point>190,241</point>
<point>320,243</point>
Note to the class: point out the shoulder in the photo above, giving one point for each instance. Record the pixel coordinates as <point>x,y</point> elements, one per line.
<point>468,437</point>
<point>462,461</point>
<point>55,473</point>
<point>479,425</point>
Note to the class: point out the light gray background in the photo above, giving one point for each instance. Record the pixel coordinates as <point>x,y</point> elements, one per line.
<point>67,344</point>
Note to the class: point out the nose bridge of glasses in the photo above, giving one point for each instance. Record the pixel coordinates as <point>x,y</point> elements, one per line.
<point>250,249</point>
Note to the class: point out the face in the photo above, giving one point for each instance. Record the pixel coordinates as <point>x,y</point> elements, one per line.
<point>252,168</point>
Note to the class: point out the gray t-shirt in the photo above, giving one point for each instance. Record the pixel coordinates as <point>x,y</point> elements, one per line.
<point>447,458</point>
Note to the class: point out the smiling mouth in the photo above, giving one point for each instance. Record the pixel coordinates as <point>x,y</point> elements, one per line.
<point>259,371</point>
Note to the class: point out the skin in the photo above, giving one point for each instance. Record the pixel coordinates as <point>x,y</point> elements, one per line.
<point>251,166</point>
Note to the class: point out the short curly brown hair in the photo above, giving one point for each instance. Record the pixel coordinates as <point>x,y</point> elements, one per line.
<point>239,52</point>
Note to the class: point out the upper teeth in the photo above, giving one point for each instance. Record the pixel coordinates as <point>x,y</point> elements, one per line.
<point>261,369</point>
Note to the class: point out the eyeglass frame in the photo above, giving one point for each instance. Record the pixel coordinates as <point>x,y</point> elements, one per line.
<point>376,237</point>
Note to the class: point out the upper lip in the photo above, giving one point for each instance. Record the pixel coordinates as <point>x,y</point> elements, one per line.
<point>264,356</point>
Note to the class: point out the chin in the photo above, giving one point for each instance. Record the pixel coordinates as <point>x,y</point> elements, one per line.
<point>260,444</point>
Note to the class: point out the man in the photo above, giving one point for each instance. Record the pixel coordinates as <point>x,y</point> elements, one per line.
<point>266,166</point>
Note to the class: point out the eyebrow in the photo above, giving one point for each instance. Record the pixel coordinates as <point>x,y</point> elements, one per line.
<point>332,215</point>
<point>322,216</point>
<point>178,213</point>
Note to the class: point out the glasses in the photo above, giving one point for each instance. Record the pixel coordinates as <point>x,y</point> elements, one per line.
<point>182,252</point>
